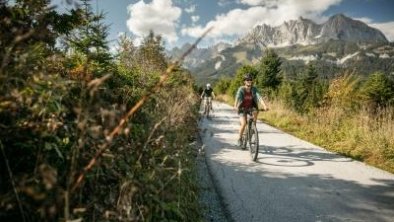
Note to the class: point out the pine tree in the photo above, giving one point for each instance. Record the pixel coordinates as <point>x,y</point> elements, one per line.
<point>309,90</point>
<point>269,77</point>
<point>151,53</point>
<point>378,90</point>
<point>88,44</point>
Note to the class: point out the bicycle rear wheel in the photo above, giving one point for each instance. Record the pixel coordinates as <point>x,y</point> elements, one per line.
<point>253,142</point>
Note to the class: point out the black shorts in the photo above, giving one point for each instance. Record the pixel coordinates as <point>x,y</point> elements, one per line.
<point>243,111</point>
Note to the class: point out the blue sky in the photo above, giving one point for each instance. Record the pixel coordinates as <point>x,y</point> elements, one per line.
<point>180,21</point>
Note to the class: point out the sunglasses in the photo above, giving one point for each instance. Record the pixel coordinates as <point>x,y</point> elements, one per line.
<point>248,79</point>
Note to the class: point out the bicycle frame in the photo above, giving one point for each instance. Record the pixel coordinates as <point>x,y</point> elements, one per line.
<point>207,105</point>
<point>250,136</point>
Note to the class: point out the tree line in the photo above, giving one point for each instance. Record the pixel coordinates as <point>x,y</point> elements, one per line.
<point>308,90</point>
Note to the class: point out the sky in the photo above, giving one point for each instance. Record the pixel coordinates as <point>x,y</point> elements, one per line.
<point>181,21</point>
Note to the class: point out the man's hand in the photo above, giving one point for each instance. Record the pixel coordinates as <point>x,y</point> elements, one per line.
<point>264,109</point>
<point>236,109</point>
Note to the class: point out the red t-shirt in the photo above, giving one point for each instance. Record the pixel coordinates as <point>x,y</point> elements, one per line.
<point>248,100</point>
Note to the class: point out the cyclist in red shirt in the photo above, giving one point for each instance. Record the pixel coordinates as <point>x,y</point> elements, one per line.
<point>247,98</point>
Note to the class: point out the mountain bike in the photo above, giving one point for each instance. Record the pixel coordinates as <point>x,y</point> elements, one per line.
<point>250,137</point>
<point>207,105</point>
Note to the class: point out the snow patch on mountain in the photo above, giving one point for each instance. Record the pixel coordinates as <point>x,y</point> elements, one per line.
<point>306,59</point>
<point>347,57</point>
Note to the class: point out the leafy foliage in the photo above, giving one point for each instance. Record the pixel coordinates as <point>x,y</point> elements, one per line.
<point>238,80</point>
<point>62,149</point>
<point>222,85</point>
<point>344,92</point>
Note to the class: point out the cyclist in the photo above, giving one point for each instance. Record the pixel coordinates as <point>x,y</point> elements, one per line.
<point>208,93</point>
<point>247,97</point>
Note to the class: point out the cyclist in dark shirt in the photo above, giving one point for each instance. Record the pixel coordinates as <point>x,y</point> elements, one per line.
<point>247,98</point>
<point>207,94</point>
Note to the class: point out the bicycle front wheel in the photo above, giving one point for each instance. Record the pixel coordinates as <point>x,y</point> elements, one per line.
<point>254,142</point>
<point>206,109</point>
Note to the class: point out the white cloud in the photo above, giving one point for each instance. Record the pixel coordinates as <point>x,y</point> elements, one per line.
<point>121,34</point>
<point>274,12</point>
<point>159,15</point>
<point>195,18</point>
<point>254,2</point>
<point>387,29</point>
<point>191,9</point>
<point>365,20</point>
<point>224,2</point>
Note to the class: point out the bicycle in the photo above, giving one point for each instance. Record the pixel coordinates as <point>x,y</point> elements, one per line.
<point>207,105</point>
<point>251,136</point>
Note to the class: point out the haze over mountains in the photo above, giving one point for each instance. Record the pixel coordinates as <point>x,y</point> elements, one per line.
<point>340,42</point>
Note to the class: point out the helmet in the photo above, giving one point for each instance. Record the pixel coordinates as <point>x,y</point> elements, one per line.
<point>248,76</point>
<point>208,85</point>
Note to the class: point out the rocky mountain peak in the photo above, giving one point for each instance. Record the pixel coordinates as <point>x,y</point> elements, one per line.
<point>305,32</point>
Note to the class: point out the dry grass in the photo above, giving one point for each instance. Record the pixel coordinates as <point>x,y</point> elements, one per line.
<point>354,134</point>
<point>225,98</point>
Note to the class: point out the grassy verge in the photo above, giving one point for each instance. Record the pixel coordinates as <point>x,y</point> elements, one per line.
<point>353,134</point>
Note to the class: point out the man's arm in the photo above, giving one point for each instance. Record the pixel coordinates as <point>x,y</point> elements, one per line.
<point>263,104</point>
<point>237,99</point>
<point>261,101</point>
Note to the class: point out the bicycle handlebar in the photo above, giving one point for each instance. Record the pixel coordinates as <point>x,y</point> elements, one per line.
<point>263,110</point>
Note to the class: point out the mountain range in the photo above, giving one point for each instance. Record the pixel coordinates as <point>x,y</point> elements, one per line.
<point>340,42</point>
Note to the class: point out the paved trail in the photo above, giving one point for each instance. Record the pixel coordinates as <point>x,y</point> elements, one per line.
<point>292,180</point>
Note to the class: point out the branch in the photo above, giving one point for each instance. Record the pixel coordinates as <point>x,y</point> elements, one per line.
<point>12,182</point>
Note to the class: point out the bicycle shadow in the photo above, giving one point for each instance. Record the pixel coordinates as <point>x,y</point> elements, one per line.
<point>296,154</point>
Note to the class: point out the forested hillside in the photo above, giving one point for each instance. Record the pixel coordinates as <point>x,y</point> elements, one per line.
<point>89,135</point>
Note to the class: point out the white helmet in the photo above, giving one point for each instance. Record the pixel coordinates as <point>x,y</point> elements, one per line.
<point>208,85</point>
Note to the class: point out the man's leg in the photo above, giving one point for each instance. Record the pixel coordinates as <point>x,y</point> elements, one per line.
<point>242,120</point>
<point>205,105</point>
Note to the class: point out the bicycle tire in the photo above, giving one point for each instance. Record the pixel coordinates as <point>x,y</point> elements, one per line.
<point>244,140</point>
<point>253,141</point>
<point>206,109</point>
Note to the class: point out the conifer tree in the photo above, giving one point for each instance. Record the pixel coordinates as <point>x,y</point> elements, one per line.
<point>378,90</point>
<point>269,77</point>
<point>309,90</point>
<point>88,44</point>
<point>151,52</point>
